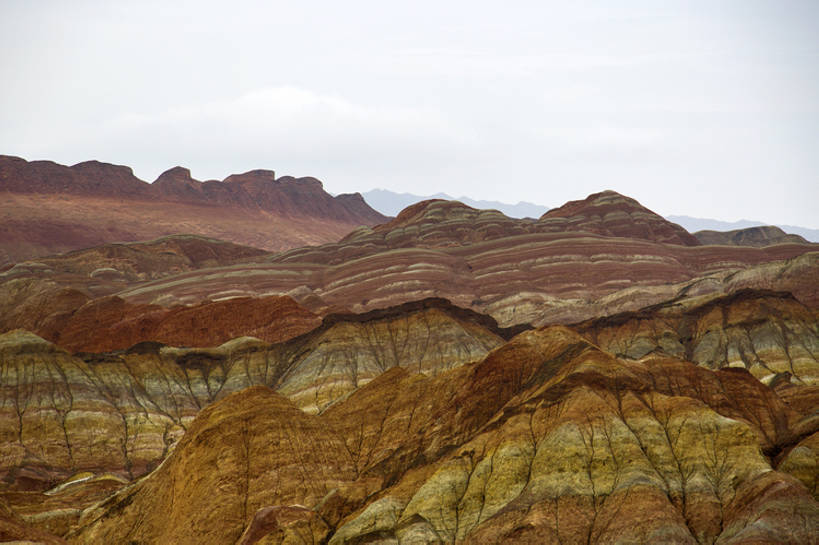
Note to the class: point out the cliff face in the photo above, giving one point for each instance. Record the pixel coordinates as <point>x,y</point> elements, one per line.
<point>547,439</point>
<point>50,208</point>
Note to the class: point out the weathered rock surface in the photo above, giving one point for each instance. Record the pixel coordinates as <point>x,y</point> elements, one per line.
<point>768,333</point>
<point>122,411</point>
<point>547,440</point>
<point>765,235</point>
<point>40,295</point>
<point>50,208</point>
<point>529,278</point>
<point>516,270</point>
<point>609,213</point>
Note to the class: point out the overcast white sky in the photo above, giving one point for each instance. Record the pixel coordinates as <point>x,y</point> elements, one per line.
<point>704,108</point>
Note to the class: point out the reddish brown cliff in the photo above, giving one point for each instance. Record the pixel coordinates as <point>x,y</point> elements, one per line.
<point>50,208</point>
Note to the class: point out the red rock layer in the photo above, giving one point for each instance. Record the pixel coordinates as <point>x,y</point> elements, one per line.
<point>109,323</point>
<point>50,208</point>
<point>609,213</point>
<point>537,278</point>
<point>38,296</point>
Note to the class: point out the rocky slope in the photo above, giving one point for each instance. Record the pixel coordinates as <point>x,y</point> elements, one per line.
<point>402,403</point>
<point>121,411</point>
<point>547,440</point>
<point>40,295</point>
<point>517,278</point>
<point>765,235</point>
<point>50,208</point>
<point>770,334</point>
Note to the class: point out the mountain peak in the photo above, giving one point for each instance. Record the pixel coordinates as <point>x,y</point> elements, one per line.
<point>613,214</point>
<point>176,173</point>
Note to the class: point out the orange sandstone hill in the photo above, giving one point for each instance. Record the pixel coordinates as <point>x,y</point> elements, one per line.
<point>49,208</point>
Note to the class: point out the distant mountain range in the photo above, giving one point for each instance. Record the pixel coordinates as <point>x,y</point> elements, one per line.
<point>702,224</point>
<point>391,203</point>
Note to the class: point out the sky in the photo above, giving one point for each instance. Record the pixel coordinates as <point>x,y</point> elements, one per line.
<point>701,108</point>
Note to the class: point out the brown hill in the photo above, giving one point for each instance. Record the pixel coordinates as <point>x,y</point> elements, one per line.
<point>40,295</point>
<point>528,278</point>
<point>752,236</point>
<point>50,208</point>
<point>477,258</point>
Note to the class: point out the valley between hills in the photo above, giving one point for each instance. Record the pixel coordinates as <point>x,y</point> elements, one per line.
<point>255,361</point>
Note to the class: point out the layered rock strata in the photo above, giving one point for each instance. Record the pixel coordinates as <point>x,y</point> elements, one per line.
<point>122,411</point>
<point>547,440</point>
<point>770,334</point>
<point>532,278</point>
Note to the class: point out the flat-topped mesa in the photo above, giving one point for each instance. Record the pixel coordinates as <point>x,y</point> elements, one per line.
<point>612,214</point>
<point>763,235</point>
<point>256,175</point>
<point>87,178</point>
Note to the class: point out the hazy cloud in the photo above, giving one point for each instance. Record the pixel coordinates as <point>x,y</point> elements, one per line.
<point>697,108</point>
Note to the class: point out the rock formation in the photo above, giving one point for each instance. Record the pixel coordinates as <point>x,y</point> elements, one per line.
<point>612,214</point>
<point>407,383</point>
<point>547,439</point>
<point>51,208</point>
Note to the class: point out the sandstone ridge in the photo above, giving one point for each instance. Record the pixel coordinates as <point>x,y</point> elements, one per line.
<point>53,208</point>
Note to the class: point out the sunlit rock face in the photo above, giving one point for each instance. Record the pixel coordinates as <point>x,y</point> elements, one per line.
<point>546,439</point>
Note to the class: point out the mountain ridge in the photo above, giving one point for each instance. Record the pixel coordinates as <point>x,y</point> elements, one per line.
<point>51,208</point>
<point>391,203</point>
